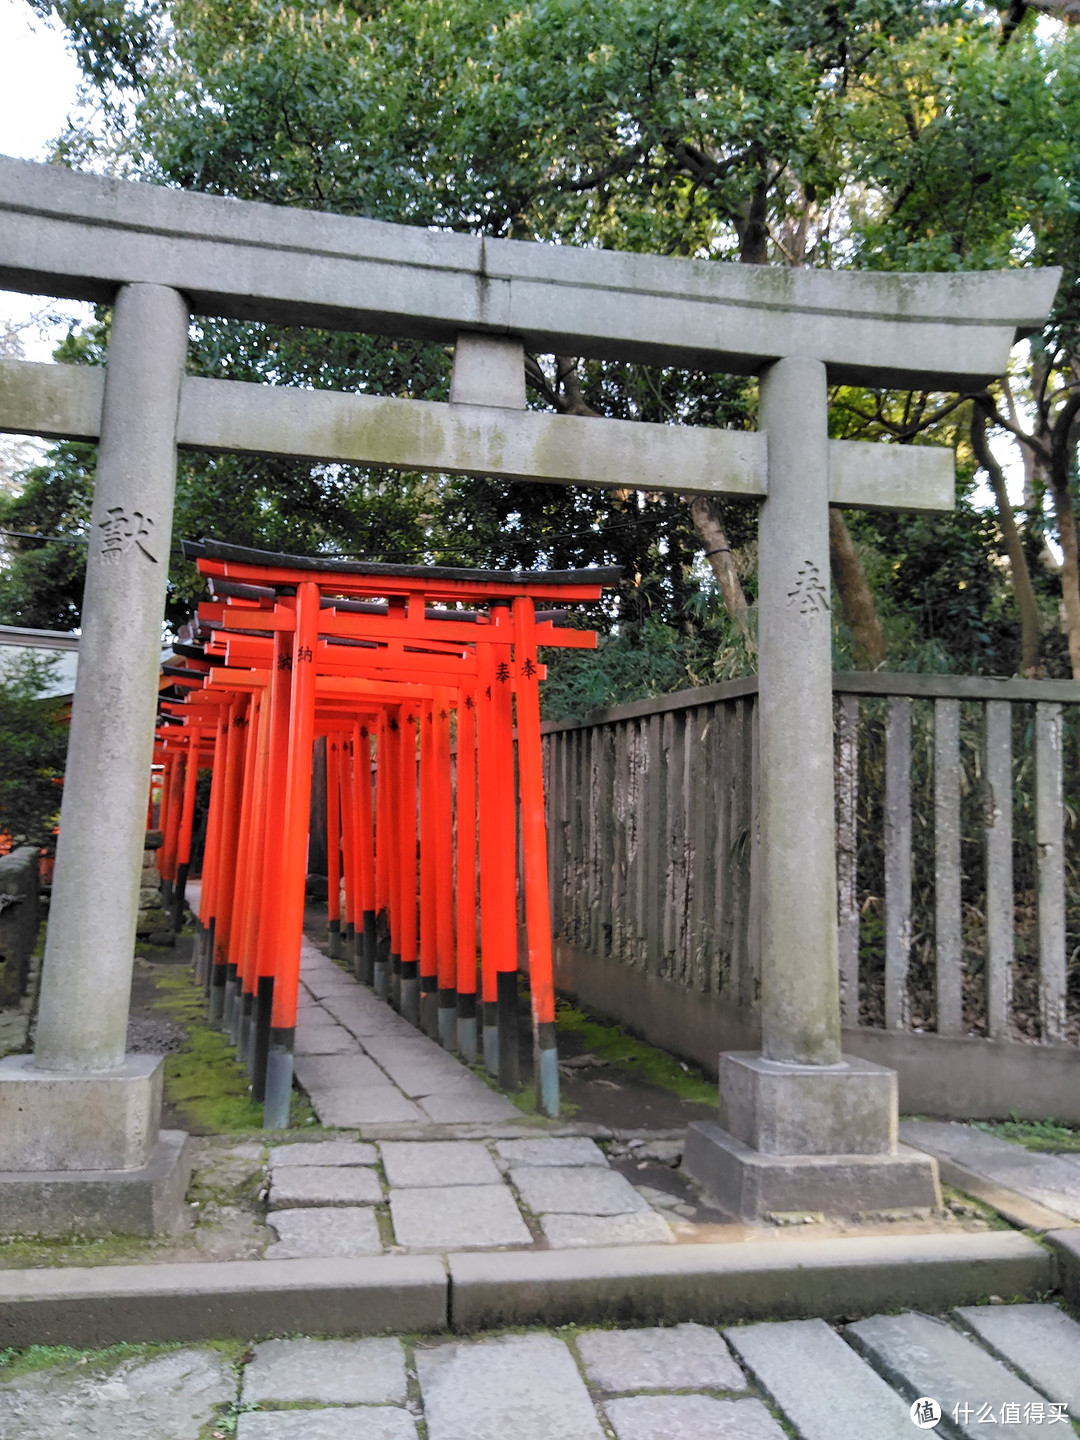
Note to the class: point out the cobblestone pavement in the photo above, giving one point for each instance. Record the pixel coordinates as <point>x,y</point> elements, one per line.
<point>1016,1367</point>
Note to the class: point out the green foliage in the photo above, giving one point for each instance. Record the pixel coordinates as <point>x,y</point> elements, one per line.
<point>33,746</point>
<point>1038,1135</point>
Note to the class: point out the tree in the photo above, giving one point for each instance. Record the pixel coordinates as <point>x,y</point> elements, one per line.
<point>864,132</point>
<point>33,745</point>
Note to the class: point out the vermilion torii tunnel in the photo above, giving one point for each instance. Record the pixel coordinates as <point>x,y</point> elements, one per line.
<point>425,683</point>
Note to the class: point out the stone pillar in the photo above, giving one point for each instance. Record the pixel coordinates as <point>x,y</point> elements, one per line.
<point>80,1104</point>
<point>86,977</point>
<point>800,999</point>
<point>801,1128</point>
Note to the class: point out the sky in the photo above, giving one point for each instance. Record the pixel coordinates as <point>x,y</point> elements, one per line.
<point>39,82</point>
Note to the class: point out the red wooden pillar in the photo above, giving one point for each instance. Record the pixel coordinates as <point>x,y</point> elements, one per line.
<point>348,845</point>
<point>407,868</point>
<point>174,769</point>
<point>280,697</point>
<point>429,1000</point>
<point>465,807</point>
<point>364,841</point>
<point>444,868</point>
<point>534,858</point>
<point>241,906</point>
<point>187,818</point>
<point>388,797</point>
<point>498,929</point>
<point>333,845</point>
<point>383,862</point>
<point>211,846</point>
<point>279,1069</point>
<point>225,876</point>
<point>254,879</point>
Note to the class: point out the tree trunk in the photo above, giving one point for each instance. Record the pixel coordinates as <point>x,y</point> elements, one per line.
<point>1066,525</point>
<point>718,553</point>
<point>856,597</point>
<point>1021,576</point>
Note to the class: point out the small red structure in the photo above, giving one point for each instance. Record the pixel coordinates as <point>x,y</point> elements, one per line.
<point>415,676</point>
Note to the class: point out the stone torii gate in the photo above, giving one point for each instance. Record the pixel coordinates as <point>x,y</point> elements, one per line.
<point>801,1125</point>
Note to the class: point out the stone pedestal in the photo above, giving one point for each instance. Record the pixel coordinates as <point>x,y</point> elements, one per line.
<point>818,1138</point>
<point>82,1153</point>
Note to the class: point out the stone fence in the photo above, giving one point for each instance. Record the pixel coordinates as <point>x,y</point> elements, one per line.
<point>958,886</point>
<point>20,916</point>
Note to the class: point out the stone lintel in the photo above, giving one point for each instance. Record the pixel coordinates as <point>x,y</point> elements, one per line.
<point>82,236</point>
<point>237,417</point>
<point>145,1201</point>
<point>61,1120</point>
<point>784,1109</point>
<point>754,1186</point>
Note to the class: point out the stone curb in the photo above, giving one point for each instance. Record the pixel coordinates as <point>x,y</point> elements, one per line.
<point>1018,1209</point>
<point>1066,1247</point>
<point>759,1280</point>
<point>239,1299</point>
<point>641,1284</point>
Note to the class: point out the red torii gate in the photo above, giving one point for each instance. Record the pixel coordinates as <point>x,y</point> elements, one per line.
<point>364,652</point>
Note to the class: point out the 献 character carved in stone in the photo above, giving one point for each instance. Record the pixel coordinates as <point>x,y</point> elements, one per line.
<point>121,529</point>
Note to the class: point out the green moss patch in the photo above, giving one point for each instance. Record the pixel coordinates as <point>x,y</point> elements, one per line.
<point>617,1046</point>
<point>204,1083</point>
<point>1044,1135</point>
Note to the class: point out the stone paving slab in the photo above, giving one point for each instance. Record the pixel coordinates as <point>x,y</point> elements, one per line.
<point>297,1185</point>
<point>168,1397</point>
<point>580,1232</point>
<point>677,1357</point>
<point>922,1356</point>
<point>559,1150</point>
<point>457,1217</point>
<point>324,1040</point>
<point>410,1164</point>
<point>1040,1341</point>
<point>825,1389</point>
<point>338,1072</point>
<point>342,1372</point>
<point>518,1387</point>
<point>578,1190</point>
<point>319,1232</point>
<point>476,1104</point>
<point>323,1152</point>
<point>365,1422</point>
<point>1051,1180</point>
<point>369,1105</point>
<point>694,1417</point>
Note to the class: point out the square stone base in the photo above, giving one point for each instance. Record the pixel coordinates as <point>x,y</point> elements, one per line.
<point>754,1186</point>
<point>783,1109</point>
<point>67,1120</point>
<point>146,1201</point>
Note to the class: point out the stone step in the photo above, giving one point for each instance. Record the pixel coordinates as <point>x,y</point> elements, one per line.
<point>1040,1341</point>
<point>524,1386</point>
<point>825,1390</point>
<point>926,1357</point>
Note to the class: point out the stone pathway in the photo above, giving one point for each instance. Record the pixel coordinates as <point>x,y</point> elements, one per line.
<point>351,1198</point>
<point>1046,1179</point>
<point>1015,1366</point>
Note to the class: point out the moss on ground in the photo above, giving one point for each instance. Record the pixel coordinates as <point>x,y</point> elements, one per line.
<point>617,1046</point>
<point>1039,1135</point>
<point>204,1083</point>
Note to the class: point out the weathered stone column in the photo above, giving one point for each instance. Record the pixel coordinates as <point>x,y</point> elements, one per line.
<point>86,975</point>
<point>800,998</point>
<point>801,1128</point>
